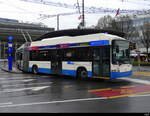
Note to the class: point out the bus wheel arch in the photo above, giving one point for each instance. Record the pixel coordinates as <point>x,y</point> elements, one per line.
<point>35,69</point>
<point>81,72</point>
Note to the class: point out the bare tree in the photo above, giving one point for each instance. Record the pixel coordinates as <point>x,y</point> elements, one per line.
<point>104,22</point>
<point>126,23</point>
<point>145,35</point>
<point>123,23</point>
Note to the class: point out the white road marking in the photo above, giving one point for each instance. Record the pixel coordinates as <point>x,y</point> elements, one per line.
<point>15,78</point>
<point>136,80</point>
<point>140,95</point>
<point>14,81</point>
<point>8,103</point>
<point>27,84</point>
<point>53,102</point>
<point>28,80</point>
<point>23,89</point>
<point>39,88</point>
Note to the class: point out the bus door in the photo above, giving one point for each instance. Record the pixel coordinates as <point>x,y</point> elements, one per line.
<point>25,58</point>
<point>19,60</point>
<point>56,62</point>
<point>101,61</point>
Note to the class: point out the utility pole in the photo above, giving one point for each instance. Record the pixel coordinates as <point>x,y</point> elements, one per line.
<point>57,21</point>
<point>83,16</point>
<point>82,23</point>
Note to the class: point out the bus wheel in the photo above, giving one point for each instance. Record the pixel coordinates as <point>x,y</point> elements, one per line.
<point>34,69</point>
<point>82,73</point>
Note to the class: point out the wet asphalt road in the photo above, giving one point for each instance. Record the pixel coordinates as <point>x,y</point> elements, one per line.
<point>61,94</point>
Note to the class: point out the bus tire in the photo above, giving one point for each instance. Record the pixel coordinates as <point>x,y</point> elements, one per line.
<point>35,69</point>
<point>82,73</point>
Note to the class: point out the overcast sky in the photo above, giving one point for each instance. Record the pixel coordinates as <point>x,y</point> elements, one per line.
<point>26,11</point>
<point>123,4</point>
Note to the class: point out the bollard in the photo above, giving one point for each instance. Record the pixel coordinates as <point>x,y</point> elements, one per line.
<point>10,38</point>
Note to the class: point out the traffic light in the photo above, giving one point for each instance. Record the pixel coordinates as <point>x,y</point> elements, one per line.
<point>132,46</point>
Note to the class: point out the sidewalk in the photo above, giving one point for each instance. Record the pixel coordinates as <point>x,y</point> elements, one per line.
<point>14,69</point>
<point>142,68</point>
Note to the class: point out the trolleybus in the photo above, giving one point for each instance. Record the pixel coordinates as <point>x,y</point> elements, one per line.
<point>83,53</point>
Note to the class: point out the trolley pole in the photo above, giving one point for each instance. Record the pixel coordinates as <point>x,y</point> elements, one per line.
<point>10,43</point>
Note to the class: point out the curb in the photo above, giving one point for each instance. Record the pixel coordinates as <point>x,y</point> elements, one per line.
<point>141,71</point>
<point>10,71</point>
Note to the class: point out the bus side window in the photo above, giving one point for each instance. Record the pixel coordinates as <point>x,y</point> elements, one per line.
<point>75,54</point>
<point>33,55</point>
<point>69,54</point>
<point>84,54</point>
<point>43,55</point>
<point>52,54</point>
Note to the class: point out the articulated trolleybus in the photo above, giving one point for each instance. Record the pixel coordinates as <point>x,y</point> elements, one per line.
<point>85,53</point>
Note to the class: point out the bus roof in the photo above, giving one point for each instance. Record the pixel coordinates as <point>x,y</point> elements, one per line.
<point>78,32</point>
<point>75,39</point>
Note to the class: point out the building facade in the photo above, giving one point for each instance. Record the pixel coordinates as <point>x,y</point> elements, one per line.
<point>21,33</point>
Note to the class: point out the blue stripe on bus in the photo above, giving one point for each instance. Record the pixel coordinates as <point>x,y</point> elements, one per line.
<point>120,74</point>
<point>30,69</point>
<point>45,70</point>
<point>101,42</point>
<point>64,72</point>
<point>73,73</point>
<point>42,70</point>
<point>69,72</point>
<point>90,74</point>
<point>69,62</point>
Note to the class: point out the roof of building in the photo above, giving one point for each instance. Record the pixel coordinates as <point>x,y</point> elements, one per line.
<point>21,31</point>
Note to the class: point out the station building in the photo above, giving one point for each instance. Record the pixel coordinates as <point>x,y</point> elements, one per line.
<point>135,33</point>
<point>21,33</point>
<point>138,21</point>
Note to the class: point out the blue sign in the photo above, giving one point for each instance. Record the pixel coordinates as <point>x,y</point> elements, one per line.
<point>10,38</point>
<point>10,63</point>
<point>101,42</point>
<point>9,50</point>
<point>69,62</point>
